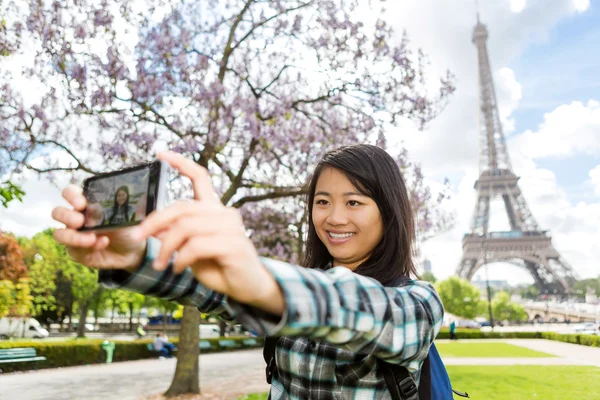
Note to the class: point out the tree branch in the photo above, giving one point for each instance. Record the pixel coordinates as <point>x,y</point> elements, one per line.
<point>80,165</point>
<point>237,181</point>
<point>251,31</point>
<point>276,194</point>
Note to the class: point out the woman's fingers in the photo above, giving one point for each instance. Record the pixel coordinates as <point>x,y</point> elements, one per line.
<point>200,248</point>
<point>75,197</point>
<point>185,228</point>
<point>101,243</point>
<point>71,219</point>
<point>203,189</point>
<point>160,220</point>
<point>167,218</point>
<point>73,238</point>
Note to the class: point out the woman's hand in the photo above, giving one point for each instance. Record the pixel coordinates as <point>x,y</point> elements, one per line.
<point>211,239</point>
<point>114,249</point>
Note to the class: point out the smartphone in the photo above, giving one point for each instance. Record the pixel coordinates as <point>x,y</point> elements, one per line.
<point>125,198</point>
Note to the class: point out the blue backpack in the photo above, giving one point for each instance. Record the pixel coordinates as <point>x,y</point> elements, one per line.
<point>435,383</point>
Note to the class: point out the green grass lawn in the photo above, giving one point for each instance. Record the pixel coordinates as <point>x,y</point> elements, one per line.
<point>255,396</point>
<point>525,382</point>
<point>476,349</point>
<point>519,382</point>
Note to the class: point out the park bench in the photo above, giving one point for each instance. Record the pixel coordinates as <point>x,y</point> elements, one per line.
<point>228,344</point>
<point>16,355</point>
<point>250,342</point>
<point>205,345</point>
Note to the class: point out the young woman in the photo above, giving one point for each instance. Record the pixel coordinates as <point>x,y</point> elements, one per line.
<point>121,212</point>
<point>350,306</point>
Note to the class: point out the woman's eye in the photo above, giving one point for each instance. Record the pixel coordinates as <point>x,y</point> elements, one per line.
<point>353,203</point>
<point>321,202</point>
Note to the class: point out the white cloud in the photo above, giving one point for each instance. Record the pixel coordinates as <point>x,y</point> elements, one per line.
<point>509,93</point>
<point>595,179</point>
<point>569,129</point>
<point>581,5</point>
<point>517,6</point>
<point>34,213</point>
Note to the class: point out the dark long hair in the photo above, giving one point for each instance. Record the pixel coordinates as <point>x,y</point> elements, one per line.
<point>125,206</point>
<point>375,174</point>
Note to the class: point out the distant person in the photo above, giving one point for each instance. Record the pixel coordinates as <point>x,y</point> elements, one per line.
<point>162,345</point>
<point>453,330</point>
<point>121,212</point>
<point>140,331</point>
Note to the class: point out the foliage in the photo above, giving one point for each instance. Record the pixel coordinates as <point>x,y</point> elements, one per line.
<point>12,267</point>
<point>429,277</point>
<point>505,310</point>
<point>530,292</point>
<point>9,192</point>
<point>7,298</point>
<point>57,282</point>
<point>477,334</point>
<point>15,299</point>
<point>460,297</point>
<point>584,340</point>
<point>581,287</point>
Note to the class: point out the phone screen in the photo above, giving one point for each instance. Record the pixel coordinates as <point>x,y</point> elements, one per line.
<point>120,198</point>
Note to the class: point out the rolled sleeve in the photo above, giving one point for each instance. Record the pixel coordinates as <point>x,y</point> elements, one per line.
<point>182,288</point>
<point>351,311</point>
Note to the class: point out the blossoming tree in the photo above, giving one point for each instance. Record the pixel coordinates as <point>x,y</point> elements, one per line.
<point>254,90</point>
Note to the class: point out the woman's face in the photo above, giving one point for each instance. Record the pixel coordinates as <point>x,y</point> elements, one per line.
<point>121,197</point>
<point>347,222</point>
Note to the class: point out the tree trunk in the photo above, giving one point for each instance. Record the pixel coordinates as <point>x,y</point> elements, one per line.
<point>83,310</point>
<point>130,317</point>
<point>70,314</point>
<point>186,379</point>
<point>112,315</point>
<point>222,328</point>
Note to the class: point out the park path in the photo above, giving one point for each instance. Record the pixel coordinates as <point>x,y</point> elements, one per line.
<point>231,374</point>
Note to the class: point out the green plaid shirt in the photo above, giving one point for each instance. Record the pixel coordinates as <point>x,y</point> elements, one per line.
<point>335,326</point>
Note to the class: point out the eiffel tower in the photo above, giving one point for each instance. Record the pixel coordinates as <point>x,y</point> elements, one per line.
<point>525,245</point>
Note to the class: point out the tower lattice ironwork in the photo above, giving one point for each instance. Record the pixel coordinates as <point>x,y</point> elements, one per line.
<point>525,245</point>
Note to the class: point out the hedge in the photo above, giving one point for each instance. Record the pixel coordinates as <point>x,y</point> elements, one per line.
<point>88,351</point>
<point>585,340</point>
<point>476,334</point>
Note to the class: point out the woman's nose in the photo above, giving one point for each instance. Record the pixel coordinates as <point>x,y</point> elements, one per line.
<point>337,216</point>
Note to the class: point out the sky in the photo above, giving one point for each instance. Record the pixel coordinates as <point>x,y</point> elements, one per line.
<point>545,65</point>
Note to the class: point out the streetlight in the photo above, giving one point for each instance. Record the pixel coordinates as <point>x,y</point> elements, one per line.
<point>487,283</point>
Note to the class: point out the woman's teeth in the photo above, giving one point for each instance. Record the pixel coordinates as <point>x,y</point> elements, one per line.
<point>340,235</point>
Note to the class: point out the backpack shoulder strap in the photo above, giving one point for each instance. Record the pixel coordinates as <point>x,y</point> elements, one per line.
<point>269,356</point>
<point>399,382</point>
